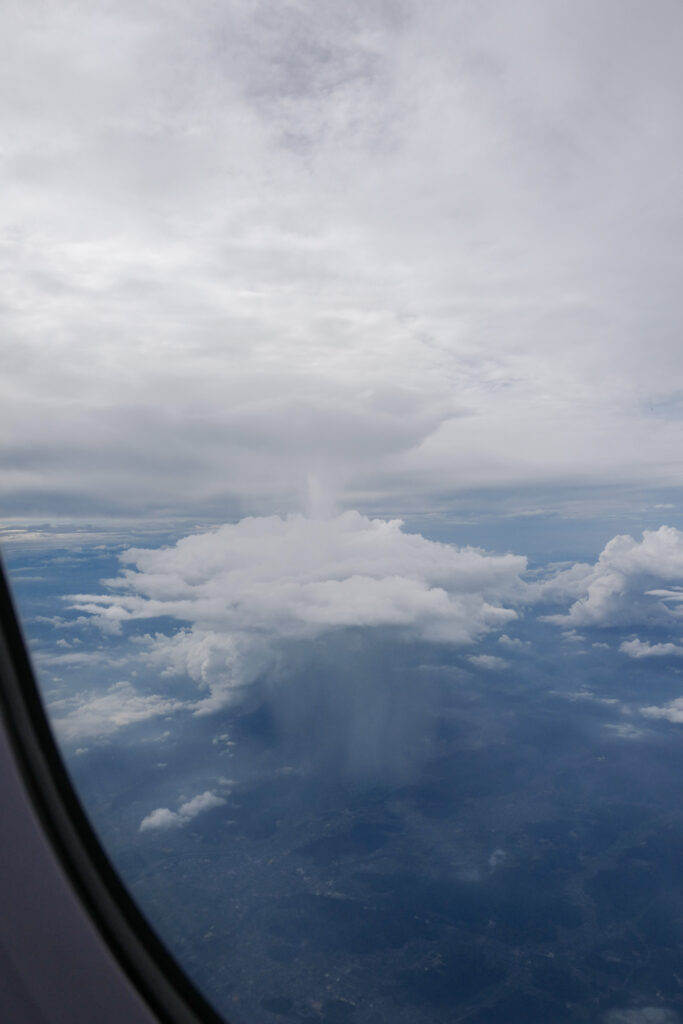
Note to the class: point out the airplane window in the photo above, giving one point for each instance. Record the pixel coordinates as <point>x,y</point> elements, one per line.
<point>341,494</point>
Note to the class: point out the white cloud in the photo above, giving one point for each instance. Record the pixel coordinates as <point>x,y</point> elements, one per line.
<point>86,715</point>
<point>619,588</point>
<point>160,818</point>
<point>242,589</point>
<point>164,818</point>
<point>673,711</point>
<point>644,649</point>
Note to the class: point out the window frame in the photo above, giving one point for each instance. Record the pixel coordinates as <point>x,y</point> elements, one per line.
<point>154,973</point>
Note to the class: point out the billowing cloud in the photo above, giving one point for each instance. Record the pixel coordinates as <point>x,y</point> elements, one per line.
<point>163,818</point>
<point>92,715</point>
<point>242,589</point>
<point>621,588</point>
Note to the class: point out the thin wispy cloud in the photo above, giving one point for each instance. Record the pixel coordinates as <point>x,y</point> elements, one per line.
<point>95,715</point>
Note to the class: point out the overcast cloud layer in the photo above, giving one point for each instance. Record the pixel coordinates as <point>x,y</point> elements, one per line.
<point>269,256</point>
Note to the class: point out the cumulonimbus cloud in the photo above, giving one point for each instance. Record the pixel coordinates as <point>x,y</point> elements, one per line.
<point>242,588</point>
<point>241,592</point>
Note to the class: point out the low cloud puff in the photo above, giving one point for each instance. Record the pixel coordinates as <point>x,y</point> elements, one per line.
<point>244,589</point>
<point>164,818</point>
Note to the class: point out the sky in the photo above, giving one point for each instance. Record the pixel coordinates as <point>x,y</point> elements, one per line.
<point>309,257</point>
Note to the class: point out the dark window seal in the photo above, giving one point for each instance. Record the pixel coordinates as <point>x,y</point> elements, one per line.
<point>156,975</point>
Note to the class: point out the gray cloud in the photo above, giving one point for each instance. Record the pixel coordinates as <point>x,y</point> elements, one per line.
<point>389,245</point>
